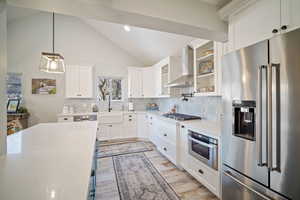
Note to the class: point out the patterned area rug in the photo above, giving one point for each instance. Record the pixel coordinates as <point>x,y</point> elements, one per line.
<point>138,179</point>
<point>125,148</point>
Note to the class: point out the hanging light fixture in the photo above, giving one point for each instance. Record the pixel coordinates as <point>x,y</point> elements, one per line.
<point>52,62</point>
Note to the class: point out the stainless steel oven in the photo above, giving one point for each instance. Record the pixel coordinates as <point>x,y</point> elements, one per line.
<point>203,148</point>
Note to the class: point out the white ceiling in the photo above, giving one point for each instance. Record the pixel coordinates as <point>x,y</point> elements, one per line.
<point>147,45</point>
<point>14,13</point>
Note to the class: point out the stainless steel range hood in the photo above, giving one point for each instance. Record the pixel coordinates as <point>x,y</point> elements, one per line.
<point>186,76</point>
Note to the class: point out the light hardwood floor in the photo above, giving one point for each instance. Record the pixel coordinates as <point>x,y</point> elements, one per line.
<point>185,186</point>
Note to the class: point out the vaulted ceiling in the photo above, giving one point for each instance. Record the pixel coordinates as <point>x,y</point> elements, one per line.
<point>147,45</point>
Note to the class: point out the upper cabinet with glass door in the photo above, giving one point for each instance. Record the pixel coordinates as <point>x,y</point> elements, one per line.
<point>207,69</point>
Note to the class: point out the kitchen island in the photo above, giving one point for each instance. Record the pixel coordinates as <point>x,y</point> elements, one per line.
<point>50,161</point>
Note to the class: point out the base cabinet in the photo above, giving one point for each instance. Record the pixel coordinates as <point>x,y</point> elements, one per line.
<point>126,129</point>
<point>142,126</point>
<point>164,135</point>
<point>109,131</point>
<point>183,146</point>
<point>207,176</point>
<point>204,174</point>
<point>129,129</point>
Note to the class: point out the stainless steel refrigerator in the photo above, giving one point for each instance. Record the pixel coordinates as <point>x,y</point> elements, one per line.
<point>261,120</point>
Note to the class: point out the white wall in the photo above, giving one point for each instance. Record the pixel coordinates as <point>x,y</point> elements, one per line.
<point>79,44</point>
<point>2,77</point>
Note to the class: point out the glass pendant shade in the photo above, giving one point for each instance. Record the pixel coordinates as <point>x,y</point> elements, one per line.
<point>52,63</point>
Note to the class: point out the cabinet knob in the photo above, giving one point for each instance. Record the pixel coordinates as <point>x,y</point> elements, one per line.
<point>200,171</point>
<point>182,126</point>
<point>275,31</point>
<point>165,135</point>
<point>284,27</point>
<point>165,149</point>
<point>130,120</point>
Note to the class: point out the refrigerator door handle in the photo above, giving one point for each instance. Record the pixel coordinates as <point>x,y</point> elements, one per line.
<point>259,118</point>
<point>269,115</point>
<point>276,115</point>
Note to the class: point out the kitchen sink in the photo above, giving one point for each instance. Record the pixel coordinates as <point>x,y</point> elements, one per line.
<point>113,117</point>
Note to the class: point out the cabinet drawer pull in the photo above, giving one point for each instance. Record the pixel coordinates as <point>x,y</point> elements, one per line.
<point>110,125</point>
<point>130,115</point>
<point>274,31</point>
<point>79,95</point>
<point>130,120</point>
<point>182,126</point>
<point>165,149</point>
<point>284,27</point>
<point>200,171</point>
<point>65,118</point>
<point>165,135</point>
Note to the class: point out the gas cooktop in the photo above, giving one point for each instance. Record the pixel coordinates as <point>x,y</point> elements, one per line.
<point>180,117</point>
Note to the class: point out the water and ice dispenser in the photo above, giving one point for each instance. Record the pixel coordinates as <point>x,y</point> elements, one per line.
<point>244,119</point>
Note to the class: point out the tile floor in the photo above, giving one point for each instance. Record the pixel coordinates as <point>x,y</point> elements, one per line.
<point>185,186</point>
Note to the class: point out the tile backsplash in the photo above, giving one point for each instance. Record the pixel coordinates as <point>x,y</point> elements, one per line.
<point>81,106</point>
<point>205,107</point>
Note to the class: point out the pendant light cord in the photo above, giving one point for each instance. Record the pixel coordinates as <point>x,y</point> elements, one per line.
<point>53,31</point>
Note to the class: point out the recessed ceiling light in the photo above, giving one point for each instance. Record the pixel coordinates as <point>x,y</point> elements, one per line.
<point>127,28</point>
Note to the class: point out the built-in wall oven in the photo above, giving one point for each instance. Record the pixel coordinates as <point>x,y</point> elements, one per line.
<point>203,148</point>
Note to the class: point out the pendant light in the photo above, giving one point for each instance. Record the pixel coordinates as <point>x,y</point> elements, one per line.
<point>52,62</point>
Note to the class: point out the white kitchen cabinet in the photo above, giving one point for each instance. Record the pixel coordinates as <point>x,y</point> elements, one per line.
<point>148,79</point>
<point>151,82</point>
<point>166,71</point>
<point>152,124</point>
<point>79,82</point>
<point>262,20</point>
<point>163,134</point>
<point>65,119</point>
<point>256,23</point>
<point>109,131</point>
<point>204,174</point>
<point>290,15</point>
<point>207,68</point>
<point>129,126</point>
<point>183,159</point>
<point>135,83</point>
<point>142,126</point>
<point>140,82</point>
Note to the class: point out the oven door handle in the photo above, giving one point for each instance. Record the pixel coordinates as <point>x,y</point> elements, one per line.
<point>203,143</point>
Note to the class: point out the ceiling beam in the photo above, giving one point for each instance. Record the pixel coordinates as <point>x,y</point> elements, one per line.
<point>187,17</point>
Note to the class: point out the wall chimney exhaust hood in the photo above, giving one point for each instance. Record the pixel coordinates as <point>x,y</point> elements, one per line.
<point>187,73</point>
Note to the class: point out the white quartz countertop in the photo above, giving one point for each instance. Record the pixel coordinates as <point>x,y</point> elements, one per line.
<point>50,161</point>
<point>206,127</point>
